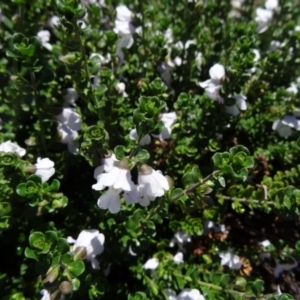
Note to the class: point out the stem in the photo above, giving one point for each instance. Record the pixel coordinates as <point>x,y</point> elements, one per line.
<point>86,68</point>
<point>39,111</point>
<point>253,201</point>
<point>194,186</point>
<point>229,291</point>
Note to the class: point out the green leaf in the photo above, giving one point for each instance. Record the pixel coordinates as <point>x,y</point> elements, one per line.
<point>55,261</point>
<point>76,284</point>
<point>224,281</point>
<point>66,258</point>
<point>142,156</point>
<point>257,287</point>
<point>76,267</point>
<point>240,284</point>
<point>51,237</point>
<point>119,152</point>
<point>239,148</point>
<point>222,182</point>
<point>37,240</point>
<point>190,178</point>
<point>22,189</point>
<point>54,187</point>
<point>221,160</point>
<point>62,246</point>
<point>29,253</point>
<point>176,192</point>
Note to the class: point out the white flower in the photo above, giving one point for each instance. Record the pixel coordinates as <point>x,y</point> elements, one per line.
<point>239,106</point>
<point>265,16</point>
<point>124,29</point>
<point>186,294</point>
<point>213,85</point>
<point>171,295</point>
<point>110,200</point>
<point>293,88</point>
<point>152,184</point>
<point>271,4</point>
<point>120,87</point>
<point>118,177</point>
<point>70,96</point>
<point>168,119</point>
<point>68,125</point>
<point>265,243</point>
<point>126,42</point>
<point>69,117</point>
<point>107,165</point>
<point>45,294</point>
<point>166,70</point>
<point>151,264</point>
<point>190,294</point>
<point>44,168</point>
<point>279,293</point>
<point>145,140</point>
<point>93,241</point>
<point>44,36</point>
<point>285,125</point>
<point>180,238</point>
<point>8,146</point>
<point>231,260</point>
<point>54,21</point>
<point>124,14</point>
<point>284,267</point>
<point>216,227</point>
<point>178,258</point>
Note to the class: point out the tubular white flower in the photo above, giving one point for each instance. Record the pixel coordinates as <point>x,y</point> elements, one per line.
<point>118,177</point>
<point>285,125</point>
<point>123,13</point>
<point>69,117</point>
<point>231,260</point>
<point>44,36</point>
<point>153,183</point>
<point>145,140</point>
<point>45,294</point>
<point>8,146</point>
<point>178,258</point>
<point>110,200</point>
<point>53,22</point>
<point>44,168</point>
<point>70,96</point>
<point>151,264</point>
<point>68,125</point>
<point>190,294</point>
<point>120,87</point>
<point>171,295</point>
<point>180,238</point>
<point>284,267</point>
<point>93,241</point>
<point>239,106</point>
<point>213,86</point>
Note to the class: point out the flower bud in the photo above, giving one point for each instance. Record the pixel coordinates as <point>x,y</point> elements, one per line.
<point>51,275</point>
<point>80,253</point>
<point>30,169</point>
<point>66,287</point>
<point>145,170</point>
<point>122,164</point>
<point>170,181</point>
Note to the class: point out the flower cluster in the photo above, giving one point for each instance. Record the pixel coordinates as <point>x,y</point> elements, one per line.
<point>168,119</point>
<point>116,176</point>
